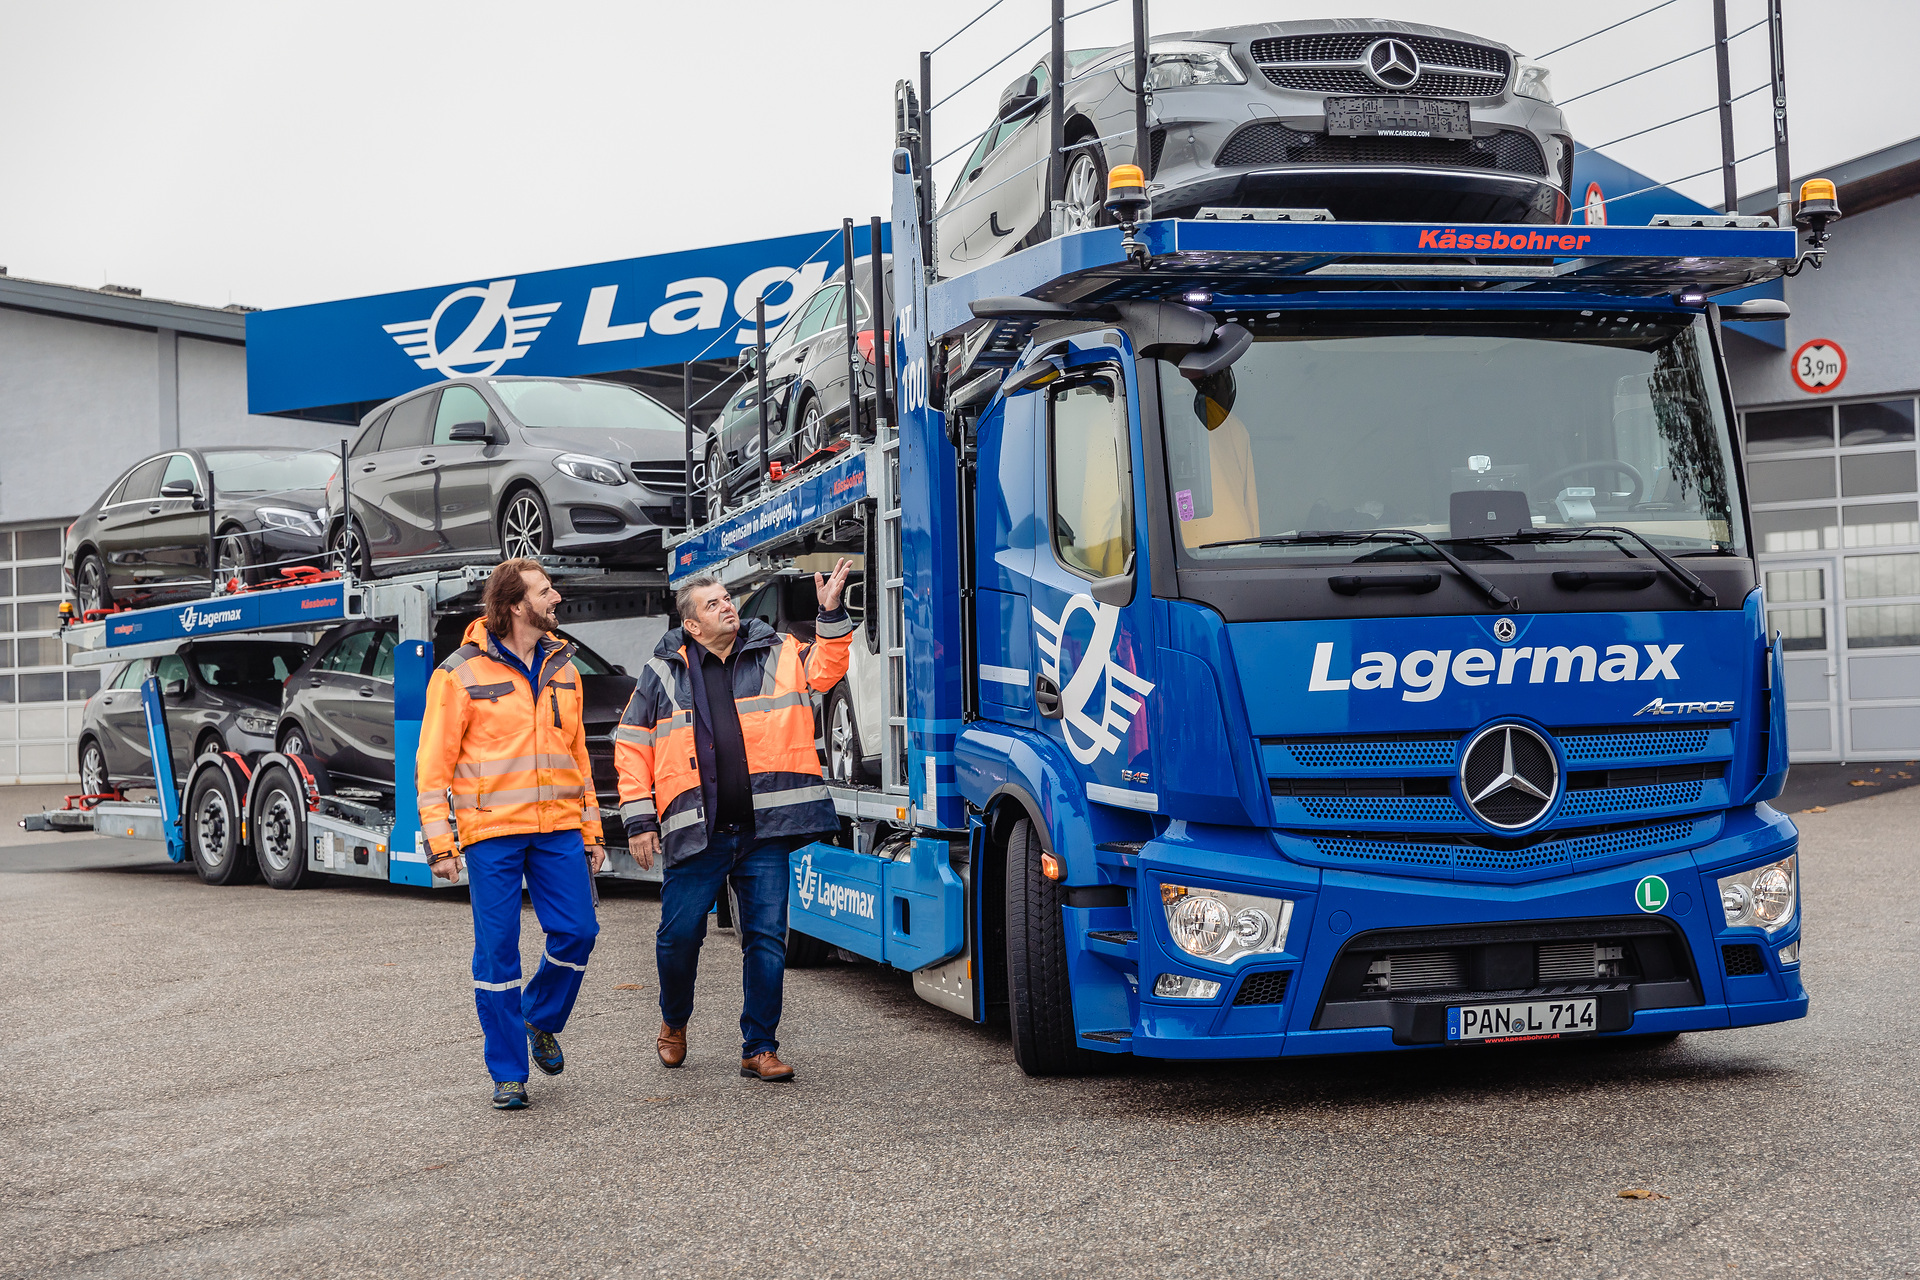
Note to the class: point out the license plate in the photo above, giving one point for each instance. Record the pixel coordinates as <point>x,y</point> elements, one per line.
<point>1398,118</point>
<point>1533,1020</point>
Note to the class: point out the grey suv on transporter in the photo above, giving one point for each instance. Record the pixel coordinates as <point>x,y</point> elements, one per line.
<point>1369,119</point>
<point>491,467</point>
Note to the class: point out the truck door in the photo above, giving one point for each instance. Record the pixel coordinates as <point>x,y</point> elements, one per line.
<point>1004,530</point>
<point>1092,626</point>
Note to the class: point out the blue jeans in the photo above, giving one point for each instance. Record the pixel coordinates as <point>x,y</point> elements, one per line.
<point>555,867</point>
<point>759,874</point>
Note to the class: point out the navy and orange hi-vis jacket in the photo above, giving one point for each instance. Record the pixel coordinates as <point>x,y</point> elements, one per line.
<point>515,762</point>
<point>654,746</point>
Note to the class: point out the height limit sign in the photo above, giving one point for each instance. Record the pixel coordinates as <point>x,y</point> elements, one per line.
<point>1819,366</point>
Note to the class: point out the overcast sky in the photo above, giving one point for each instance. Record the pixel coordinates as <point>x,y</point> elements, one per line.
<point>280,153</point>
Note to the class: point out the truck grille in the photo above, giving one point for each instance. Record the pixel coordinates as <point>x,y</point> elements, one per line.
<point>1561,853</point>
<point>1431,752</point>
<point>1416,971</point>
<point>1263,988</point>
<point>1270,143</point>
<point>1330,63</point>
<point>1743,960</point>
<point>662,477</point>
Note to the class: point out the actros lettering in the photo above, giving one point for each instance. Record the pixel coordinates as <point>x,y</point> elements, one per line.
<point>1423,674</point>
<point>1661,707</point>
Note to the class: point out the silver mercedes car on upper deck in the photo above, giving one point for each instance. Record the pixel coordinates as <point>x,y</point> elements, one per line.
<point>1373,120</point>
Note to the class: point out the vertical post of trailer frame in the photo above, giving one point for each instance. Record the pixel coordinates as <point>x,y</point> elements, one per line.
<point>1142,149</point>
<point>927,194</point>
<point>882,330</point>
<point>686,412</point>
<point>1056,106</point>
<point>853,345</point>
<point>1730,186</point>
<point>1782,168</point>
<point>213,539</point>
<point>760,368</point>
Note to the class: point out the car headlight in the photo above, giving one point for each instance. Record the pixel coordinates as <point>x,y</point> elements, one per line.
<point>258,726</point>
<point>1531,80</point>
<point>1183,62</point>
<point>1225,926</point>
<point>288,518</point>
<point>1763,896</point>
<point>582,467</point>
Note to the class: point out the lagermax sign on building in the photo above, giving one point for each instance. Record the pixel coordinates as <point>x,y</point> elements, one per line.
<point>633,314</point>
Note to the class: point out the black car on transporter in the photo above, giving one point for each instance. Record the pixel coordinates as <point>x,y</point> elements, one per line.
<point>485,467</point>
<point>220,695</point>
<point>144,540</point>
<point>338,707</point>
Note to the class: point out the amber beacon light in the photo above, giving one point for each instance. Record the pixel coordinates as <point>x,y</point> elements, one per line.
<point>1819,205</point>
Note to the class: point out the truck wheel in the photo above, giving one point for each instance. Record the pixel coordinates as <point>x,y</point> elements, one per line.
<point>804,951</point>
<point>213,831</point>
<point>279,827</point>
<point>1039,996</point>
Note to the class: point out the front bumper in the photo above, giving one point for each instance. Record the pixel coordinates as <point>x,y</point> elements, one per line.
<point>621,524</point>
<point>1290,1002</point>
<point>1377,193</point>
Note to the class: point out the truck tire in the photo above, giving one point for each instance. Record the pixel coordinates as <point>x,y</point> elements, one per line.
<point>278,824</point>
<point>212,825</point>
<point>804,951</point>
<point>1039,995</point>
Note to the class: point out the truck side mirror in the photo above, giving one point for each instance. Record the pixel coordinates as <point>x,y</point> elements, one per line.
<point>470,432</point>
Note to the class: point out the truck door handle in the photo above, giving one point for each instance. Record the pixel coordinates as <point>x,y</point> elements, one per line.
<point>1046,697</point>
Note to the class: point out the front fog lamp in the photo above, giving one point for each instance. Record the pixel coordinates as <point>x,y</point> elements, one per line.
<point>1225,926</point>
<point>582,467</point>
<point>1178,986</point>
<point>1762,896</point>
<point>1790,954</point>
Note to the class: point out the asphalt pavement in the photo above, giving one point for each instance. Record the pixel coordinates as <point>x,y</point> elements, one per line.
<point>238,1081</point>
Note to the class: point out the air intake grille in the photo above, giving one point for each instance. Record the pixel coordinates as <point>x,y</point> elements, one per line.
<point>662,477</point>
<point>1634,744</point>
<point>1416,971</point>
<point>1268,143</point>
<point>1743,960</point>
<point>1671,795</point>
<point>1472,71</point>
<point>1578,962</point>
<point>1156,143</point>
<point>1371,753</point>
<point>1263,988</point>
<point>1438,853</point>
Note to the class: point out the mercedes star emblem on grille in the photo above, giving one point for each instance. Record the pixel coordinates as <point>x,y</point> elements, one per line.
<point>1504,630</point>
<point>1392,64</point>
<point>1508,775</point>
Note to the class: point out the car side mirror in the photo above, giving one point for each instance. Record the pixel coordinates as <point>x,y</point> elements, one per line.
<point>174,689</point>
<point>179,489</point>
<point>470,432</point>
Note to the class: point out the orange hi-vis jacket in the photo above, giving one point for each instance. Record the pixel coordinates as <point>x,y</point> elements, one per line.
<point>514,763</point>
<point>654,747</point>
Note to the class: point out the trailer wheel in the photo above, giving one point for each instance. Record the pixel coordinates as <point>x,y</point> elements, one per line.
<point>213,831</point>
<point>1039,995</point>
<point>279,826</point>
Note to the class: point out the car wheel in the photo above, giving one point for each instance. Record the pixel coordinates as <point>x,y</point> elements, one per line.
<point>716,482</point>
<point>347,549</point>
<point>811,433</point>
<point>293,741</point>
<point>525,530</point>
<point>1086,189</point>
<point>844,749</point>
<point>279,827</point>
<point>1039,994</point>
<point>94,780</point>
<point>211,745</point>
<point>213,831</point>
<point>236,558</point>
<point>90,584</point>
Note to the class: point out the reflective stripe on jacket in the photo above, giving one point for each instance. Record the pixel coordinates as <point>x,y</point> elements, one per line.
<point>654,745</point>
<point>511,762</point>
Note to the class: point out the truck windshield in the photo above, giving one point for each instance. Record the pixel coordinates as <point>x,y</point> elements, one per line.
<point>598,406</point>
<point>1471,428</point>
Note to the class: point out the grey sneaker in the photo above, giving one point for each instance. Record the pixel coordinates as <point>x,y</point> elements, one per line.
<point>509,1095</point>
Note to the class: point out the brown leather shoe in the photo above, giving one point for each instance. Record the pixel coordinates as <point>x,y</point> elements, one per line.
<point>671,1045</point>
<point>764,1066</point>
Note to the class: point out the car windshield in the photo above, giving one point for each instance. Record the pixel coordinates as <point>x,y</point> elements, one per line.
<point>269,471</point>
<point>1502,433</point>
<point>596,406</point>
<point>246,666</point>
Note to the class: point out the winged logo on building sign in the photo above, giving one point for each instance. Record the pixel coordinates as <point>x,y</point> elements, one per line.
<point>1121,693</point>
<point>464,355</point>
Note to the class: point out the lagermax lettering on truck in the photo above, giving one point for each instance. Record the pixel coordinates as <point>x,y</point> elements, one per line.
<point>1423,673</point>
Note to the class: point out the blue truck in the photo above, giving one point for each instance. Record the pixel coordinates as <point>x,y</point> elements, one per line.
<point>1308,637</point>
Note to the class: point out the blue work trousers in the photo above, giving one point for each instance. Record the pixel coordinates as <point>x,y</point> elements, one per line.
<point>555,868</point>
<point>758,870</point>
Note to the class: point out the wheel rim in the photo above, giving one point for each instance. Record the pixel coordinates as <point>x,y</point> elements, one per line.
<point>90,592</point>
<point>293,745</point>
<point>809,430</point>
<point>278,823</point>
<point>212,826</point>
<point>716,488</point>
<point>525,529</point>
<point>840,742</point>
<point>346,546</point>
<point>1083,195</point>
<point>212,747</point>
<point>233,555</point>
<point>93,771</point>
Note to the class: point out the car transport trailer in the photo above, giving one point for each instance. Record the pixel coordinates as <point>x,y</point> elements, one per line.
<point>1465,734</point>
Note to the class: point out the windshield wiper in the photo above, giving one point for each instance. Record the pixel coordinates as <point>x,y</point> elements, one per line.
<point>1493,594</point>
<point>1697,590</point>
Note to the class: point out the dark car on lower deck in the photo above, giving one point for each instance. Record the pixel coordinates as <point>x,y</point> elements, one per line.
<point>338,707</point>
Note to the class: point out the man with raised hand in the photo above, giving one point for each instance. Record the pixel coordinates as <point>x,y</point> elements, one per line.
<point>719,778</point>
<point>504,741</point>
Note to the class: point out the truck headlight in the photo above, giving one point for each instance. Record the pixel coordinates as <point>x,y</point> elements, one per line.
<point>1179,63</point>
<point>1765,896</point>
<point>582,467</point>
<point>1221,926</point>
<point>1531,80</point>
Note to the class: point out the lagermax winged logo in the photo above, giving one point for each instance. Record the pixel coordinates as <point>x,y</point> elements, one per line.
<point>1122,693</point>
<point>808,881</point>
<point>519,327</point>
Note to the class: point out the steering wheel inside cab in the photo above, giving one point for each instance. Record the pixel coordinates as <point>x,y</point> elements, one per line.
<point>1575,504</point>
